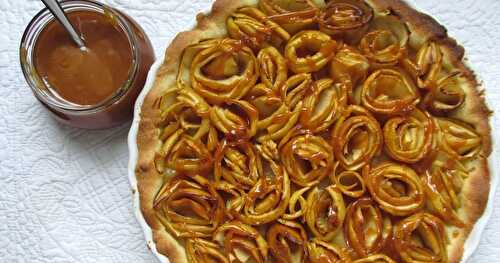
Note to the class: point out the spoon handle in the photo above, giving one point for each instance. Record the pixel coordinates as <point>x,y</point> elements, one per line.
<point>56,9</point>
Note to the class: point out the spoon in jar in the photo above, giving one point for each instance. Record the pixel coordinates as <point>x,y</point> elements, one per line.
<point>56,10</point>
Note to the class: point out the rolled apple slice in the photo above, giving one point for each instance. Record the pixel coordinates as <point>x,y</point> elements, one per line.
<point>218,69</point>
<point>307,158</point>
<point>376,258</point>
<point>251,26</point>
<point>189,207</point>
<point>427,66</point>
<point>184,117</point>
<point>268,199</point>
<point>350,183</point>
<point>280,113</point>
<point>309,51</point>
<point>325,212</point>
<point>287,240</point>
<point>410,138</point>
<point>421,238</point>
<point>458,139</point>
<point>292,15</point>
<point>199,250</point>
<point>350,68</point>
<point>389,92</point>
<point>386,43</point>
<point>296,88</point>
<point>443,183</point>
<point>322,106</point>
<point>235,118</point>
<point>396,188</point>
<point>280,123</point>
<point>320,251</point>
<point>444,92</point>
<point>447,94</point>
<point>273,68</point>
<point>356,138</point>
<point>345,18</point>
<point>297,205</point>
<point>189,156</point>
<point>189,109</point>
<point>238,163</point>
<point>241,242</point>
<point>366,229</point>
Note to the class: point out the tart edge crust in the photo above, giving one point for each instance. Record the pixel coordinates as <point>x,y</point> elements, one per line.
<point>474,110</point>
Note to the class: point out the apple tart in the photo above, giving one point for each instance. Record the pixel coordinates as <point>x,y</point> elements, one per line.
<point>313,131</point>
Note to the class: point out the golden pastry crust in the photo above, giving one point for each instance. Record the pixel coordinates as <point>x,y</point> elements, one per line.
<point>212,25</point>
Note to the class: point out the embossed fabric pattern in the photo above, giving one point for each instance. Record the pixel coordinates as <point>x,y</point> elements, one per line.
<point>65,194</point>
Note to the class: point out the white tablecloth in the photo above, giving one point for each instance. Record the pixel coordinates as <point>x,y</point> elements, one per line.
<point>64,192</point>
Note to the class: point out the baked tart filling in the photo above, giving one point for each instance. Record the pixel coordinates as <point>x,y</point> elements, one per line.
<point>314,131</point>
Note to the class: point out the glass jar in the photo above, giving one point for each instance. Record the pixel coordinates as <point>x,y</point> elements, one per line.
<point>115,109</point>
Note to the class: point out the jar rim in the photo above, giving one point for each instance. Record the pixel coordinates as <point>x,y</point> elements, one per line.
<point>28,42</point>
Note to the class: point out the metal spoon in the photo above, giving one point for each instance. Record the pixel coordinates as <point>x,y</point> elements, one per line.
<point>56,10</point>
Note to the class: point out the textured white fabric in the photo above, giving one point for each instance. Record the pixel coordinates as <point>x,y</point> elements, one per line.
<point>64,192</point>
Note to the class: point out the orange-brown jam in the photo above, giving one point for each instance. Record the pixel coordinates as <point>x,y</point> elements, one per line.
<point>84,76</point>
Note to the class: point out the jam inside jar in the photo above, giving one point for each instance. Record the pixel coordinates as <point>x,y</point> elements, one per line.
<point>93,88</point>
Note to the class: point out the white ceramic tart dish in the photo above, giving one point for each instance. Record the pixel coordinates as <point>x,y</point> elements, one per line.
<point>294,131</point>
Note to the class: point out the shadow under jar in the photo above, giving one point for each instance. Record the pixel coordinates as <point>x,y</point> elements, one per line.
<point>94,88</point>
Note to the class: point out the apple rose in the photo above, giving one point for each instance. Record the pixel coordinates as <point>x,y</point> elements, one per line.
<point>296,88</point>
<point>297,205</point>
<point>385,44</point>
<point>421,238</point>
<point>292,15</point>
<point>183,154</point>
<point>410,138</point>
<point>375,258</point>
<point>233,195</point>
<point>345,18</point>
<point>219,69</point>
<point>321,106</point>
<point>251,26</point>
<point>241,242</point>
<point>268,150</point>
<point>325,212</point>
<point>458,138</point>
<point>307,158</point>
<point>309,51</point>
<point>170,135</point>
<point>183,117</point>
<point>275,118</point>
<point>287,240</point>
<point>443,184</point>
<point>396,188</point>
<point>189,109</point>
<point>235,118</point>
<point>280,123</point>
<point>389,92</point>
<point>350,183</point>
<point>273,68</point>
<point>189,207</point>
<point>199,250</point>
<point>238,163</point>
<point>446,95</point>
<point>356,138</point>
<point>427,66</point>
<point>366,229</point>
<point>350,68</point>
<point>265,99</point>
<point>320,252</point>
<point>278,118</point>
<point>268,199</point>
